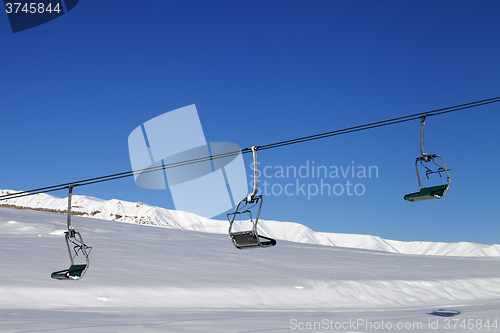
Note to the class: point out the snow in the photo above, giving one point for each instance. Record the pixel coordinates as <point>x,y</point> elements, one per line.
<point>140,213</point>
<point>151,278</point>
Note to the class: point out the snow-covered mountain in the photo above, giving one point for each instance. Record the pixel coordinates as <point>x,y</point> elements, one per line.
<point>141,213</point>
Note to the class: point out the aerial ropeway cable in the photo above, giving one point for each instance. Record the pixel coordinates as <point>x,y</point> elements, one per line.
<point>248,150</point>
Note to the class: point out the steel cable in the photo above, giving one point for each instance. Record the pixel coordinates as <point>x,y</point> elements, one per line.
<point>248,150</point>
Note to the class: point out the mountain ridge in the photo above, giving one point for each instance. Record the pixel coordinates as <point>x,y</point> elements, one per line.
<point>141,213</point>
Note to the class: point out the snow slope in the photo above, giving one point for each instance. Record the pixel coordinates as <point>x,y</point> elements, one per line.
<point>145,278</point>
<point>141,213</point>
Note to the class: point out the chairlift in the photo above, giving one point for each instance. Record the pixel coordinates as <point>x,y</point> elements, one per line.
<point>431,192</point>
<point>76,246</point>
<point>251,238</point>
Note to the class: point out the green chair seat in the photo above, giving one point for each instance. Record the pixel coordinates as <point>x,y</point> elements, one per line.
<point>73,272</point>
<point>427,193</point>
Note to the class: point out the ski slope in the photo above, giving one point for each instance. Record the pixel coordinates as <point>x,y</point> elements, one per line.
<point>147,278</point>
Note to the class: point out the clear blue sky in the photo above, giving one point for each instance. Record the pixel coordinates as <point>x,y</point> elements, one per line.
<point>73,89</point>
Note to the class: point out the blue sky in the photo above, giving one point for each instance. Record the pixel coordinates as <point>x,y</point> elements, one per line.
<point>73,89</point>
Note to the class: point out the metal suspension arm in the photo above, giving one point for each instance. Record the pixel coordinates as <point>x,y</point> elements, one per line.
<point>251,196</point>
<point>70,228</point>
<point>427,157</point>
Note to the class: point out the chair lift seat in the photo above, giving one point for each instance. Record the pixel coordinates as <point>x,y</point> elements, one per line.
<point>427,193</point>
<point>74,272</point>
<point>247,240</point>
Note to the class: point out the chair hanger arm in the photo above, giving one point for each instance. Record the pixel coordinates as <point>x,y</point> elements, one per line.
<point>251,196</point>
<point>426,157</point>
